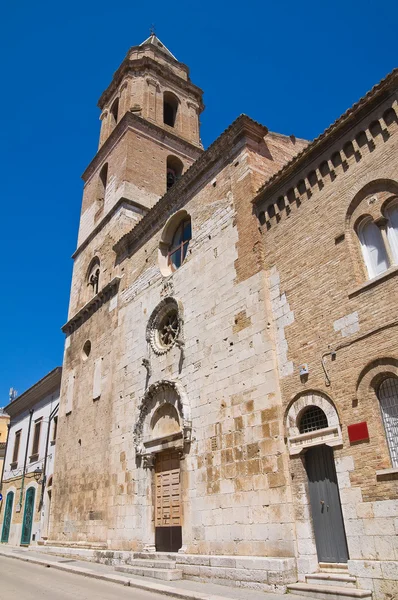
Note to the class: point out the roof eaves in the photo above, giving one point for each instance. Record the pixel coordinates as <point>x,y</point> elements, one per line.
<point>36,392</point>
<point>242,124</point>
<point>312,146</point>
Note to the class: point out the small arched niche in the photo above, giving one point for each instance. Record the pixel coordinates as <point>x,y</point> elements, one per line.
<point>312,420</point>
<point>170,109</point>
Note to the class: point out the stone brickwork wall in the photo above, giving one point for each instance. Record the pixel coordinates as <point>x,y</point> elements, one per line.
<point>235,493</point>
<point>322,301</point>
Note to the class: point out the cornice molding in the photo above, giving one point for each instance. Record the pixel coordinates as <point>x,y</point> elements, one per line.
<point>132,121</point>
<point>142,65</point>
<point>242,127</point>
<point>92,306</point>
<point>122,201</point>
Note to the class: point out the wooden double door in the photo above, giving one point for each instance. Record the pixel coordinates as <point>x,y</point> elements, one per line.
<point>168,513</point>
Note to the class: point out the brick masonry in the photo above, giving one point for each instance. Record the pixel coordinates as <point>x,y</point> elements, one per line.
<point>256,301</point>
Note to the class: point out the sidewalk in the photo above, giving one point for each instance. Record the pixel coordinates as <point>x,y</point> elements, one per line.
<point>183,589</point>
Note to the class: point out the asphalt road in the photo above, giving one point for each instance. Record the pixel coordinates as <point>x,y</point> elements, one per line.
<point>20,580</point>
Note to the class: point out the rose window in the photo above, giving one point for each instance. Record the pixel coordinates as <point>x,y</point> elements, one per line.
<point>164,327</point>
<point>168,329</point>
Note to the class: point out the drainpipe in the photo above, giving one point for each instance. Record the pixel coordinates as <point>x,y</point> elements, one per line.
<point>44,477</point>
<point>4,462</point>
<point>26,459</point>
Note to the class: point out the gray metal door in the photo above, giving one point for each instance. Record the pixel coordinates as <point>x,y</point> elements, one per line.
<point>331,543</point>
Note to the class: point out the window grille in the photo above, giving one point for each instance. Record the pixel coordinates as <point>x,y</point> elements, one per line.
<point>313,418</point>
<point>388,397</point>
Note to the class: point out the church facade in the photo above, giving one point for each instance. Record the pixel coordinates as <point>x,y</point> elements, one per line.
<point>229,391</point>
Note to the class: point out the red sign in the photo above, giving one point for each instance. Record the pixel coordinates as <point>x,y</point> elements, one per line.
<point>358,432</point>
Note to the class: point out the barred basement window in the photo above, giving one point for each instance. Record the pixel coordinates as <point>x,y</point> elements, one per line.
<point>388,397</point>
<point>312,419</point>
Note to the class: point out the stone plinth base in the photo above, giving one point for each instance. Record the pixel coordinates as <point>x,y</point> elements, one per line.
<point>252,572</point>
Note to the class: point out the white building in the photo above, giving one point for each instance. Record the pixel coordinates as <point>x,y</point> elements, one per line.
<point>29,461</point>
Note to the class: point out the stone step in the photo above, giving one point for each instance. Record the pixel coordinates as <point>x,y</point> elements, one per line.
<point>163,574</point>
<point>333,567</point>
<point>338,578</point>
<point>328,592</point>
<point>156,555</point>
<point>151,563</point>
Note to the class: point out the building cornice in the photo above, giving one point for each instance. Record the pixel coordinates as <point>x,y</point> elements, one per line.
<point>242,127</point>
<point>340,127</point>
<point>140,65</point>
<point>132,121</point>
<point>109,290</point>
<point>45,386</point>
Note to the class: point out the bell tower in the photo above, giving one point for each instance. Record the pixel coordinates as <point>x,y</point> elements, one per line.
<point>154,85</point>
<point>149,136</point>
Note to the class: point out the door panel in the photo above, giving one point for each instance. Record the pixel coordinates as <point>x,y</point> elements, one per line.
<point>331,543</point>
<point>7,517</point>
<point>168,502</point>
<point>28,516</point>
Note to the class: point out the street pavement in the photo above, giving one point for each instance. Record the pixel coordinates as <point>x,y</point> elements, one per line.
<point>25,581</point>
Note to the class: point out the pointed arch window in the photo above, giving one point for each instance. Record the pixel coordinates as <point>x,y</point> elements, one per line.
<point>373,248</point>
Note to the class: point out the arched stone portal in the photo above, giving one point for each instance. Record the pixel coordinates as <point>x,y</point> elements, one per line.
<point>162,436</point>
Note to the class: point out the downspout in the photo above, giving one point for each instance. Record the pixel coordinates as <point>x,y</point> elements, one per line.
<point>26,460</point>
<point>5,455</point>
<point>44,477</point>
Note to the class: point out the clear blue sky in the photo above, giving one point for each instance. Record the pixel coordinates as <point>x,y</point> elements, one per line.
<point>294,66</point>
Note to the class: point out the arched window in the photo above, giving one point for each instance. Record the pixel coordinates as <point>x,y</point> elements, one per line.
<point>179,244</point>
<point>388,397</point>
<point>174,170</point>
<point>373,249</point>
<point>102,181</point>
<point>313,418</point>
<point>392,229</point>
<point>170,109</point>
<point>93,276</point>
<point>115,111</point>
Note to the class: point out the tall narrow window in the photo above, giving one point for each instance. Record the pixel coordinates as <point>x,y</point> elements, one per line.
<point>102,181</point>
<point>388,397</point>
<point>15,452</point>
<point>174,170</point>
<point>115,111</point>
<point>373,249</point>
<point>36,440</point>
<point>392,230</point>
<point>179,245</point>
<point>93,276</point>
<point>55,429</point>
<point>170,109</point>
